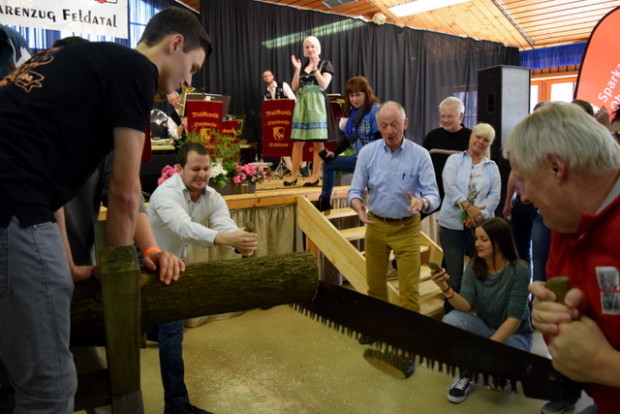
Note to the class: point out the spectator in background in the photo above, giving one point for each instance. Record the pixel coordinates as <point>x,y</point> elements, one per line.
<point>397,174</point>
<point>611,123</point>
<point>450,138</point>
<point>472,184</point>
<point>312,118</point>
<point>361,106</point>
<point>495,287</point>
<point>520,215</point>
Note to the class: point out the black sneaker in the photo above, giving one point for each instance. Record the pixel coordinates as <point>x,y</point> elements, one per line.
<point>557,407</point>
<point>459,389</point>
<point>186,409</point>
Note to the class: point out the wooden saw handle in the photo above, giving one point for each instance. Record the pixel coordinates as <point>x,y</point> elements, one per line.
<point>559,286</point>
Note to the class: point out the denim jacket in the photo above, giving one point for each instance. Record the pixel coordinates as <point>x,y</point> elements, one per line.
<point>456,176</point>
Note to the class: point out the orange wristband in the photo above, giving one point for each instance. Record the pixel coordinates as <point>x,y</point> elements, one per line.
<point>150,250</point>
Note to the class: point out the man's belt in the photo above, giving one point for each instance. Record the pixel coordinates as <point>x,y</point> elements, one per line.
<point>388,219</point>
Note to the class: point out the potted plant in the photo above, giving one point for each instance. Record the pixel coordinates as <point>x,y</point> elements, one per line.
<point>245,177</point>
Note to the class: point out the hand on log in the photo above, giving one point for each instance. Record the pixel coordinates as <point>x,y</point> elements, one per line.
<point>167,265</point>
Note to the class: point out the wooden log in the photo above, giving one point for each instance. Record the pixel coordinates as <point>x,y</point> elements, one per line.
<point>203,289</point>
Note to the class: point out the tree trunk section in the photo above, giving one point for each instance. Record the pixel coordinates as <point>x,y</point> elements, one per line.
<point>203,289</point>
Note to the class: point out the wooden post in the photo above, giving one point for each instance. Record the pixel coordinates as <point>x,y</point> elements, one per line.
<point>120,274</point>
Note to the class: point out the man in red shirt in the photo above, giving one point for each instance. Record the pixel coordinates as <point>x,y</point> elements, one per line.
<point>570,168</point>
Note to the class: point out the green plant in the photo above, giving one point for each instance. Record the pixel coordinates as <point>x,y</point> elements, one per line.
<point>222,147</point>
<point>224,150</point>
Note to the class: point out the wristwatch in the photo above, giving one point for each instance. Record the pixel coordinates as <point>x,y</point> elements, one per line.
<point>425,204</point>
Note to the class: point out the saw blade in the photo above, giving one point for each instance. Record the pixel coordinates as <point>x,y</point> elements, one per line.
<point>436,344</point>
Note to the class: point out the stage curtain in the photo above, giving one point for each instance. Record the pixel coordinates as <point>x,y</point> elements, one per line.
<point>416,68</point>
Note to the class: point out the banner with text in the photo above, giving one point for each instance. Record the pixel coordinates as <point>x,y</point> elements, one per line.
<point>599,73</point>
<point>204,117</point>
<point>277,124</point>
<point>101,17</point>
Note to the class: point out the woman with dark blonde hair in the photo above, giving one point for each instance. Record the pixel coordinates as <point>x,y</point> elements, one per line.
<point>361,107</point>
<point>495,284</point>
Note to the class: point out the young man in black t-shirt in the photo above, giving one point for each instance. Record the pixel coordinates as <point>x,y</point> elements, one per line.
<point>46,154</point>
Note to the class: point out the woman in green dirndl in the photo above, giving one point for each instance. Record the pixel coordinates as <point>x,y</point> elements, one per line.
<point>312,117</point>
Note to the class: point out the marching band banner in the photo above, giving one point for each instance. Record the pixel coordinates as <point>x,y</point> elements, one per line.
<point>101,17</point>
<point>204,116</point>
<point>277,123</point>
<point>277,120</point>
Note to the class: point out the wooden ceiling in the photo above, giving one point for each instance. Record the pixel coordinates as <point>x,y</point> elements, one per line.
<point>526,24</point>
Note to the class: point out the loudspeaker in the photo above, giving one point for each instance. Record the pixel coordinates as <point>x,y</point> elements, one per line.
<point>503,100</point>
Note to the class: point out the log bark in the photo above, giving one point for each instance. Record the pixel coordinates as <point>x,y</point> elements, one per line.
<point>203,289</point>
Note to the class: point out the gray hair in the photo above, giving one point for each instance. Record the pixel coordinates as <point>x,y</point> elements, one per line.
<point>453,100</point>
<point>398,106</point>
<point>315,40</point>
<point>567,131</point>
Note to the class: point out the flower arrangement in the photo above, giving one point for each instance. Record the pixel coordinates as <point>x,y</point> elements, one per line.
<point>166,172</point>
<point>219,175</point>
<point>249,173</point>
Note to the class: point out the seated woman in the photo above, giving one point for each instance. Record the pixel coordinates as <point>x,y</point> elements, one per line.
<point>361,107</point>
<point>495,285</point>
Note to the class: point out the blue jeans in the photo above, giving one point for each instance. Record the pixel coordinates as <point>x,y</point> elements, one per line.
<point>170,338</point>
<point>471,323</point>
<point>343,163</point>
<point>35,298</point>
<point>541,239</point>
<point>456,244</point>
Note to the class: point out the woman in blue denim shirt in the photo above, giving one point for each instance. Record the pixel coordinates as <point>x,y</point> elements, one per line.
<point>472,188</point>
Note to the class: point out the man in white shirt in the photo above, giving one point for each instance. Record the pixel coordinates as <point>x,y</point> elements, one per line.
<point>176,210</point>
<point>179,206</point>
<point>274,90</point>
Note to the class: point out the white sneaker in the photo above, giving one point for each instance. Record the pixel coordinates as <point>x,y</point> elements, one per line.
<point>457,392</point>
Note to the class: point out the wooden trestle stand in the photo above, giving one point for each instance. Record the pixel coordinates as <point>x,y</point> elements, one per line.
<point>115,311</point>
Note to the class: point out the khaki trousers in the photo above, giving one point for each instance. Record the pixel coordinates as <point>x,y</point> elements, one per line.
<point>403,237</point>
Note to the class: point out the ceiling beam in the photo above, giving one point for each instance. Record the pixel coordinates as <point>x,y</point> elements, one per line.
<point>513,21</point>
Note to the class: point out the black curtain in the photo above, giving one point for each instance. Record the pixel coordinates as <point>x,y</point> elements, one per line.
<point>416,68</point>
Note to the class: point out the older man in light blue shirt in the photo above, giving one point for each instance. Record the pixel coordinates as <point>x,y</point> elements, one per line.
<point>399,177</point>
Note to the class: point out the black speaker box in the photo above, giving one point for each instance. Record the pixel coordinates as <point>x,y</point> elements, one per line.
<point>503,100</point>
